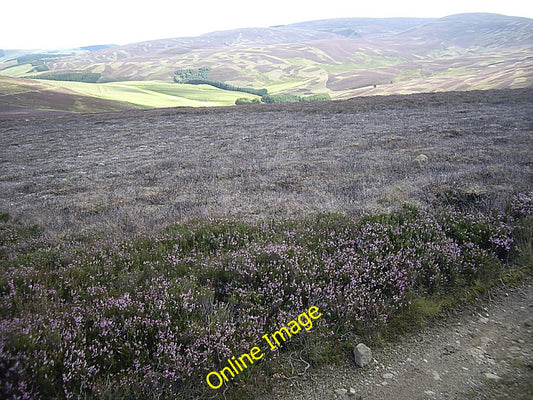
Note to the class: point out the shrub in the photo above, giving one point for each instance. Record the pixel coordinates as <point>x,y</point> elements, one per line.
<point>244,100</point>
<point>290,98</point>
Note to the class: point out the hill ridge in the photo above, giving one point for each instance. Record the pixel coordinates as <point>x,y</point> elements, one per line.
<point>341,57</point>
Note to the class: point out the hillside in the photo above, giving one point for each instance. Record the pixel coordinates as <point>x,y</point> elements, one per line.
<point>141,169</point>
<point>341,57</point>
<point>22,97</point>
<point>143,249</point>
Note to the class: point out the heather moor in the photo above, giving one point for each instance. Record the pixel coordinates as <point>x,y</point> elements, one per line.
<point>326,59</point>
<point>215,217</point>
<point>142,250</point>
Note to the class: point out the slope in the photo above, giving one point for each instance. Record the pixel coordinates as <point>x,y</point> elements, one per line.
<point>26,97</point>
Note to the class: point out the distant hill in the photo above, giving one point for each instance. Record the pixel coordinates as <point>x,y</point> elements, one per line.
<point>97,47</point>
<point>342,57</point>
<point>363,27</point>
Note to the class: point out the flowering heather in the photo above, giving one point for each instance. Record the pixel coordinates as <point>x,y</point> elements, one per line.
<point>149,317</point>
<point>522,204</point>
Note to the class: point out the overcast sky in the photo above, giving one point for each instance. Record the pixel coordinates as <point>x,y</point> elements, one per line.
<point>66,23</point>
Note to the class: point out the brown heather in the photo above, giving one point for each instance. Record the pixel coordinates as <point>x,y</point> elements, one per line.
<point>138,171</point>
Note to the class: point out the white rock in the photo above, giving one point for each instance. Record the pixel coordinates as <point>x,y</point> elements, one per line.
<point>362,355</point>
<point>388,376</point>
<point>492,376</point>
<point>421,160</point>
<point>341,392</point>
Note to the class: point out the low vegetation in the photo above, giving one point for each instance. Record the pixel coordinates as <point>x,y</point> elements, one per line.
<point>289,98</point>
<point>108,288</point>
<point>37,58</point>
<point>200,77</point>
<point>149,317</point>
<point>283,98</point>
<point>133,94</point>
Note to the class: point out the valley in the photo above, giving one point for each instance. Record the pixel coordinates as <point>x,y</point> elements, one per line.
<point>340,58</point>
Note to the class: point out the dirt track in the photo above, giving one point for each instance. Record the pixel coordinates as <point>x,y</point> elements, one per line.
<point>483,352</point>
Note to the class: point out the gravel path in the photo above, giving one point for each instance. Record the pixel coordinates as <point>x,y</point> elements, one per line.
<point>483,352</point>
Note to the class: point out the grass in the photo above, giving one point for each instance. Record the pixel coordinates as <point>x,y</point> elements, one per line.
<point>366,61</point>
<point>30,97</point>
<point>289,86</point>
<point>17,71</point>
<point>153,94</point>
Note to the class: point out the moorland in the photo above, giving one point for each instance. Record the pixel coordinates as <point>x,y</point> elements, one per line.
<point>140,250</point>
<point>144,242</point>
<point>136,170</point>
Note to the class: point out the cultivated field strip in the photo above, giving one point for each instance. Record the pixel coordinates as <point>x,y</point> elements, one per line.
<point>140,170</point>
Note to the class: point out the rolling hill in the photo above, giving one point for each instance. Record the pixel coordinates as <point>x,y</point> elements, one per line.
<point>341,57</point>
<point>21,97</point>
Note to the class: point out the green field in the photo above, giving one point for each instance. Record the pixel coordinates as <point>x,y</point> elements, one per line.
<point>17,71</point>
<point>154,94</point>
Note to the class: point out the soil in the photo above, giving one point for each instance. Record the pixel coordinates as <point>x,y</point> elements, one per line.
<point>485,351</point>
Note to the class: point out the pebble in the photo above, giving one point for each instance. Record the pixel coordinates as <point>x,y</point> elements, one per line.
<point>492,376</point>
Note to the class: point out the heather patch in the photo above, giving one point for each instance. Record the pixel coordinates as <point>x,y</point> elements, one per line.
<point>149,317</point>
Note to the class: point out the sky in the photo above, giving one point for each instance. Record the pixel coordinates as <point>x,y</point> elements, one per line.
<point>56,24</point>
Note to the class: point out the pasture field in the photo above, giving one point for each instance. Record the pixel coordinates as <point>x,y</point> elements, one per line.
<point>17,70</point>
<point>31,97</point>
<point>153,94</point>
<point>141,250</point>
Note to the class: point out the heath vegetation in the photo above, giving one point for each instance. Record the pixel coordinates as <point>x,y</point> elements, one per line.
<point>140,250</point>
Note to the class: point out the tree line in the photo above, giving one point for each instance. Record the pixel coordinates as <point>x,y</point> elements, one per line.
<point>291,98</point>
<point>200,76</point>
<point>86,77</point>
